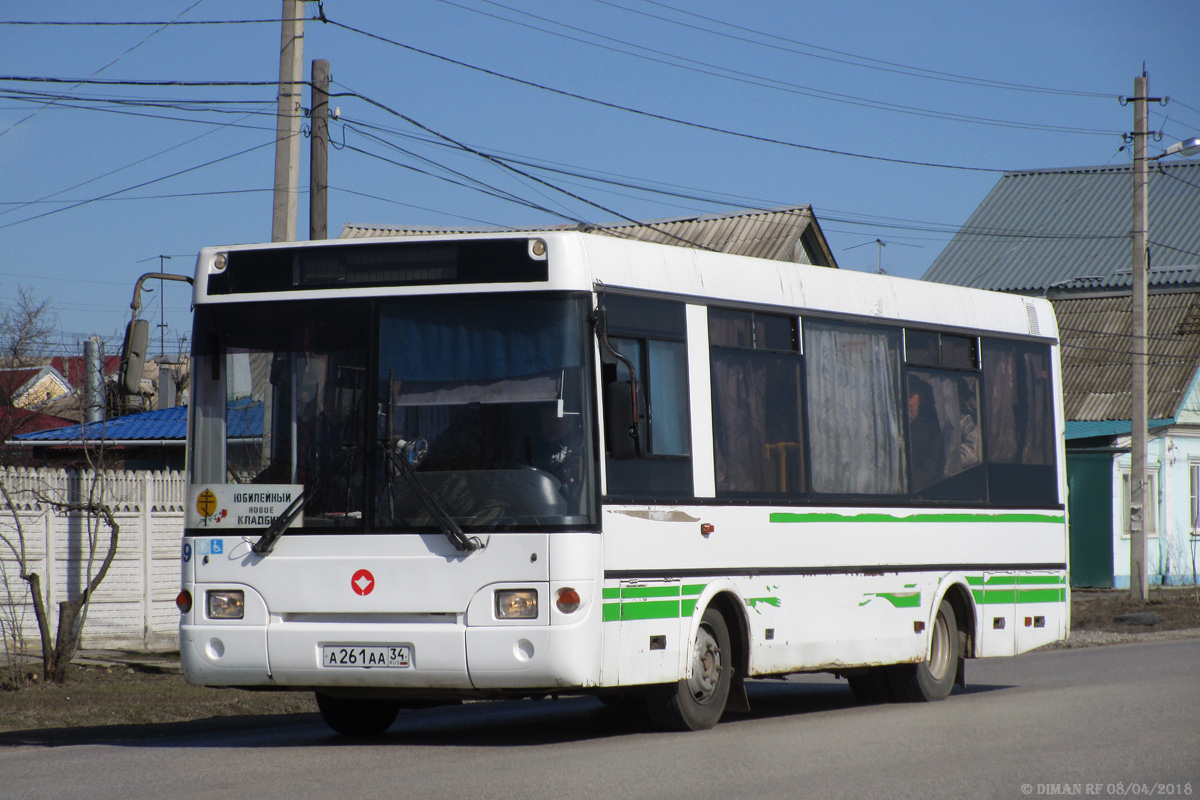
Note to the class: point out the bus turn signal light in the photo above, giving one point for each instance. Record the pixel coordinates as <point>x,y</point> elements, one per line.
<point>568,601</point>
<point>184,601</point>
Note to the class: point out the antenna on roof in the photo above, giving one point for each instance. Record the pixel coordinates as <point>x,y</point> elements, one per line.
<point>879,258</point>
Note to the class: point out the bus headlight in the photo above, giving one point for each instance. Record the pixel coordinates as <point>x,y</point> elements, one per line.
<point>516,604</point>
<point>226,604</point>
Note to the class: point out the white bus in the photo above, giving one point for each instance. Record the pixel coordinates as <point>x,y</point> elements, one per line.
<point>509,465</point>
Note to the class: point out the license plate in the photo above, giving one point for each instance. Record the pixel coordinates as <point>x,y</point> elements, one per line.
<point>366,656</point>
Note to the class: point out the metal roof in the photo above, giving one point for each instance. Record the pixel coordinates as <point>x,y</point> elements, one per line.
<point>245,419</point>
<point>1094,332</point>
<point>1111,427</point>
<point>1054,228</point>
<point>782,234</point>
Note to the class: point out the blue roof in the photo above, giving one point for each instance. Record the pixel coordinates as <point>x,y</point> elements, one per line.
<point>1083,429</point>
<point>245,420</point>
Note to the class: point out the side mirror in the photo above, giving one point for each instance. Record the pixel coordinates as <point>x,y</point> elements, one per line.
<point>133,355</point>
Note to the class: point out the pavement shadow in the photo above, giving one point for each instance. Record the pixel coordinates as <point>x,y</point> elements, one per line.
<point>504,723</point>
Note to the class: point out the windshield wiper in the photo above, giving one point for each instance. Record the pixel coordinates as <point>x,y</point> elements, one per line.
<point>405,457</point>
<point>271,535</point>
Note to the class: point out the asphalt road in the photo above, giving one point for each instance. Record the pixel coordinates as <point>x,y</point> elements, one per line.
<point>1119,721</point>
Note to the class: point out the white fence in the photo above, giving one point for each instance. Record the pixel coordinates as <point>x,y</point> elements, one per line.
<point>134,608</point>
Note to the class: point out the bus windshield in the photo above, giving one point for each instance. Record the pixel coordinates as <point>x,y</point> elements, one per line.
<point>484,397</point>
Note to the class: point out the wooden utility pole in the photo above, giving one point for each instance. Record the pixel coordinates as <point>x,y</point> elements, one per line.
<point>287,122</point>
<point>318,163</point>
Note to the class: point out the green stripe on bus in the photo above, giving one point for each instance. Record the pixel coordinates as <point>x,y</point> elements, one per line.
<point>997,597</point>
<point>1041,595</point>
<point>611,594</point>
<point>612,612</point>
<point>787,516</point>
<point>693,588</point>
<point>1011,580</point>
<point>902,599</point>
<point>651,609</point>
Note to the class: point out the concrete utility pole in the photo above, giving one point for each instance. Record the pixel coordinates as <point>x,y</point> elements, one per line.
<point>318,144</point>
<point>287,122</point>
<point>1139,588</point>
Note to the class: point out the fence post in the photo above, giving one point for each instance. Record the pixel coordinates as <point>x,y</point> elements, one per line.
<point>148,501</point>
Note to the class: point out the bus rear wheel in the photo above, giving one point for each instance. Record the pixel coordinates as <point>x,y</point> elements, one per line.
<point>698,702</point>
<point>357,716</point>
<point>932,679</point>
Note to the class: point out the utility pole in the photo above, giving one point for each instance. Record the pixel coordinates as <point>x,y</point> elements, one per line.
<point>287,123</point>
<point>318,144</point>
<point>1139,588</point>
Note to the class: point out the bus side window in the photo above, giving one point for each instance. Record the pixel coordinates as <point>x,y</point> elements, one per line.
<point>1019,423</point>
<point>757,419</point>
<point>945,453</point>
<point>856,431</point>
<point>656,462</point>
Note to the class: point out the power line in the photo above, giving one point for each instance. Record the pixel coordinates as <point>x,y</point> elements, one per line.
<point>653,115</point>
<point>149,36</point>
<point>501,163</point>
<point>828,215</point>
<point>118,169</point>
<point>134,23</point>
<point>725,73</point>
<point>140,185</point>
<point>844,57</point>
<point>128,82</point>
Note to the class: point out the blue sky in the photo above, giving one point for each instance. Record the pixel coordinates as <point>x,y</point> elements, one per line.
<point>893,120</point>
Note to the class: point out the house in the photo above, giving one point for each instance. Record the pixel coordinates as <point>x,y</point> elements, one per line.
<point>1065,234</point>
<point>29,387</point>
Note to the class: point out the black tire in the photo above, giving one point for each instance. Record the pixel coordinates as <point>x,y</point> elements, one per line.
<point>697,703</point>
<point>933,679</point>
<point>871,687</point>
<point>357,716</point>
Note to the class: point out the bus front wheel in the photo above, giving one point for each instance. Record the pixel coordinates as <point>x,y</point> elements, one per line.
<point>932,679</point>
<point>697,702</point>
<point>357,716</point>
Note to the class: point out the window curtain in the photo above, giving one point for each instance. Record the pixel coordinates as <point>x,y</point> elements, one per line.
<point>855,427</point>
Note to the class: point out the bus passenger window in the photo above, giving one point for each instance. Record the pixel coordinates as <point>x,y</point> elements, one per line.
<point>757,425</point>
<point>1019,423</point>
<point>944,436</point>
<point>856,432</point>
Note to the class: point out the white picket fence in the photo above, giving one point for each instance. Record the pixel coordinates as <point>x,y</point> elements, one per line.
<point>134,607</point>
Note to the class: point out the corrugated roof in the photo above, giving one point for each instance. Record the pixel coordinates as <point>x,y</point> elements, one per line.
<point>245,420</point>
<point>782,234</point>
<point>1039,228</point>
<point>1094,332</point>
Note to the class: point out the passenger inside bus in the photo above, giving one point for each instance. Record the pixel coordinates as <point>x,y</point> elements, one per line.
<point>927,451</point>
